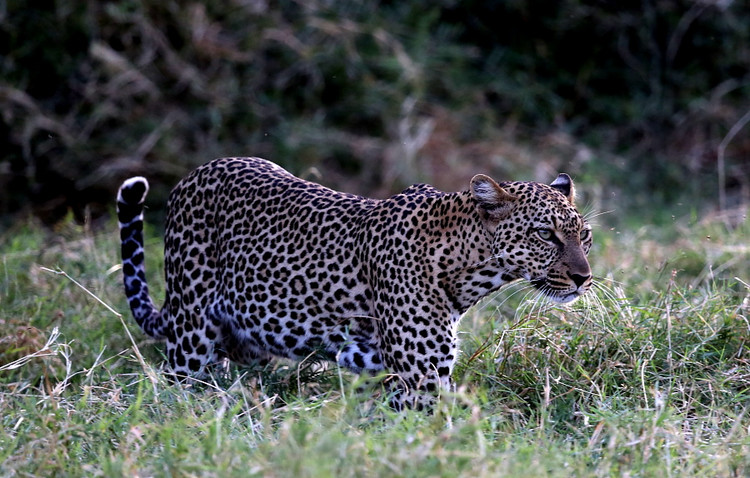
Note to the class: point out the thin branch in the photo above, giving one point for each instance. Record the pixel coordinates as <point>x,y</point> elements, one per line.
<point>65,274</point>
<point>147,370</point>
<point>721,163</point>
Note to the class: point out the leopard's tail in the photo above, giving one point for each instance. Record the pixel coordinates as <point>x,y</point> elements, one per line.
<point>130,200</point>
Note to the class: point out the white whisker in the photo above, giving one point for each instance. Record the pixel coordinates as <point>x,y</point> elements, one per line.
<point>504,290</point>
<point>590,216</point>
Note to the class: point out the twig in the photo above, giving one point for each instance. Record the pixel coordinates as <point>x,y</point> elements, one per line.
<point>682,27</point>
<point>137,352</point>
<point>669,322</point>
<point>721,165</point>
<point>65,274</point>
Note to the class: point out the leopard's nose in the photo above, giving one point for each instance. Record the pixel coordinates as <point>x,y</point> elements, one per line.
<point>579,279</point>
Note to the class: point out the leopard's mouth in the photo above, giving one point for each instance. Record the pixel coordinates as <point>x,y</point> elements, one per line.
<point>557,292</point>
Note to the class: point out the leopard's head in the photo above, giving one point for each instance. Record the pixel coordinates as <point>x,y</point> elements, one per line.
<point>537,234</point>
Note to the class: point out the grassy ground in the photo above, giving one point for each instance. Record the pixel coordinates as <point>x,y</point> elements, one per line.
<point>650,377</point>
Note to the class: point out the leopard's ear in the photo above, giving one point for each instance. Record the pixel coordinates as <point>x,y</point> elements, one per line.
<point>493,202</point>
<point>565,185</point>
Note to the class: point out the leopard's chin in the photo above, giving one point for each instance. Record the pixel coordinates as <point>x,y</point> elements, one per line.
<point>565,298</point>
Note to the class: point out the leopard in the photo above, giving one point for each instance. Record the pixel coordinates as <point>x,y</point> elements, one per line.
<point>259,263</point>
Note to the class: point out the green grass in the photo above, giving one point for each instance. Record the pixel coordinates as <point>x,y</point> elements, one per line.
<point>649,378</point>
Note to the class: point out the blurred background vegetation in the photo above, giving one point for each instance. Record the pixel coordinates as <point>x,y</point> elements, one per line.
<point>644,103</point>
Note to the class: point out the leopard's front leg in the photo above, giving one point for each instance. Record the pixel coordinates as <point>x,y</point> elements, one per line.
<point>420,353</point>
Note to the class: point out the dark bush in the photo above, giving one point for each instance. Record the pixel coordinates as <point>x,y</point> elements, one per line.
<point>637,97</point>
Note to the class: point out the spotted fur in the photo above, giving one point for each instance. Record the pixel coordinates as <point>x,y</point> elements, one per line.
<point>260,263</point>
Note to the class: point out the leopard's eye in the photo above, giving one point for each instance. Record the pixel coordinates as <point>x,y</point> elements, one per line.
<point>585,235</point>
<point>545,234</point>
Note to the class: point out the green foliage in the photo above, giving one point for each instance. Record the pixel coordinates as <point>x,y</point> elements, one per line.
<point>636,98</point>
